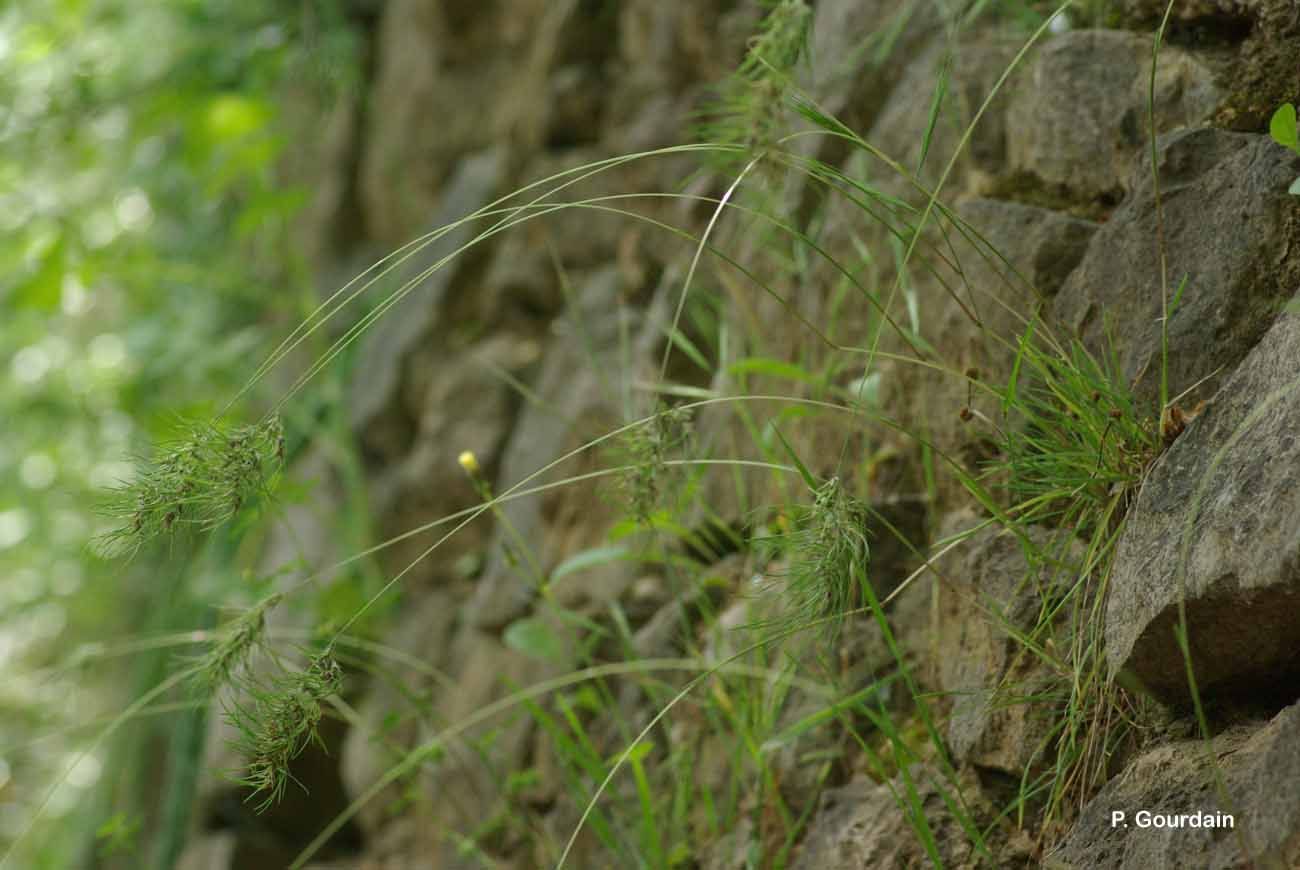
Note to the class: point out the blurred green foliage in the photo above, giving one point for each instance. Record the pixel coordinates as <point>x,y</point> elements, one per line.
<point>145,244</point>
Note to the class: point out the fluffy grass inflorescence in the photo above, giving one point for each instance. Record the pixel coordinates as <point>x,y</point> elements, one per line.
<point>236,642</point>
<point>751,104</point>
<point>278,721</point>
<point>828,554</point>
<point>646,450</point>
<point>201,479</point>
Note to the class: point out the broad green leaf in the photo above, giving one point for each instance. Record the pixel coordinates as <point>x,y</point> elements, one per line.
<point>535,639</point>
<point>1282,128</point>
<point>757,365</point>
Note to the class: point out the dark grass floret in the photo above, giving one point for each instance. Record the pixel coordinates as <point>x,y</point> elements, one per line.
<point>647,450</point>
<point>277,721</point>
<point>226,660</point>
<point>200,480</point>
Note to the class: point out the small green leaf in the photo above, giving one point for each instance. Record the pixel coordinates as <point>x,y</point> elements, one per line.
<point>1178,296</point>
<point>589,559</point>
<point>1294,189</point>
<point>535,639</point>
<point>637,753</point>
<point>776,368</point>
<point>940,91</point>
<point>1283,127</point>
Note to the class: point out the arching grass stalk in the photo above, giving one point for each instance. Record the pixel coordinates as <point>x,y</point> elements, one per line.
<point>201,673</point>
<point>481,509</point>
<point>818,116</point>
<point>470,514</point>
<point>213,480</point>
<point>581,173</point>
<point>414,757</point>
<point>695,261</point>
<point>332,305</point>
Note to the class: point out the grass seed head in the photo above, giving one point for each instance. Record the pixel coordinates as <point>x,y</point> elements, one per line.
<point>750,107</point>
<point>647,450</point>
<point>200,480</point>
<point>828,555</point>
<point>278,722</point>
<point>234,645</point>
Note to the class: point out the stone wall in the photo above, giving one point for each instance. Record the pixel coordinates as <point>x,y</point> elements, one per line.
<point>537,340</point>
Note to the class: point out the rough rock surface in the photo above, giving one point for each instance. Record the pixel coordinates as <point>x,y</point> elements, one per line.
<point>1229,228</point>
<point>1218,522</point>
<point>862,825</point>
<point>999,718</point>
<point>1080,114</point>
<point>1259,766</point>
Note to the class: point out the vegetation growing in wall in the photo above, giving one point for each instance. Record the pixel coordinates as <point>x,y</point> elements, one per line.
<point>1071,445</point>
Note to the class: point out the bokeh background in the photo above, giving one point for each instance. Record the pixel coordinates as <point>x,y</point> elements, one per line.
<point>150,181</point>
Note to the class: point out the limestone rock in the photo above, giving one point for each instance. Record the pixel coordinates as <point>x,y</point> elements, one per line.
<point>409,322</point>
<point>1229,227</point>
<point>973,320</point>
<point>1260,766</point>
<point>861,825</point>
<point>577,403</point>
<point>991,589</point>
<point>1219,521</point>
<point>434,60</point>
<point>1079,117</point>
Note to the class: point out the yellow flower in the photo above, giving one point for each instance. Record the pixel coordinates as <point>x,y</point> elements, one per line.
<point>469,462</point>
